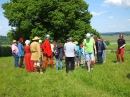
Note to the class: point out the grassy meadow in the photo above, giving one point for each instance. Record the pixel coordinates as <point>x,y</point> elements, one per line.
<point>107,80</point>
<point>113,38</point>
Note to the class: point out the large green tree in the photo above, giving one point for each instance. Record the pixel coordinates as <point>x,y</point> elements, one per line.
<point>59,18</point>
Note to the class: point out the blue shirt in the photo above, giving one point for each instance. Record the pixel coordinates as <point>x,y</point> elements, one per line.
<point>21,51</point>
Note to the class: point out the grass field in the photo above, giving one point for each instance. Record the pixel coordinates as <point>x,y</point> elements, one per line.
<point>107,80</point>
<point>114,47</point>
<point>113,39</point>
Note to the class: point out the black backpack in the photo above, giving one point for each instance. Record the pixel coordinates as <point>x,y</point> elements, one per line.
<point>56,51</point>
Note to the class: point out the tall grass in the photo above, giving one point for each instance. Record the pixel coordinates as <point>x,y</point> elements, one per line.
<point>107,80</point>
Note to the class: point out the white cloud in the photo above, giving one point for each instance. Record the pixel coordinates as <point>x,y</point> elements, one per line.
<point>112,26</point>
<point>110,17</point>
<point>123,26</point>
<point>125,3</point>
<point>97,13</point>
<point>0,27</point>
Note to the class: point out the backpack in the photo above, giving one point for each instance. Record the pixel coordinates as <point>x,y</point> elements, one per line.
<point>56,51</point>
<point>77,53</point>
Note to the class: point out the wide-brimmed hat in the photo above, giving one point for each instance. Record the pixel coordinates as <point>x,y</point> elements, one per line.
<point>14,41</point>
<point>36,38</point>
<point>75,42</point>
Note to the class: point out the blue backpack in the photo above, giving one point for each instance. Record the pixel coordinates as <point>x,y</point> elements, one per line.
<point>77,53</point>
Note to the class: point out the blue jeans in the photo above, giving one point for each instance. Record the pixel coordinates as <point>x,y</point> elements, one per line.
<point>57,61</point>
<point>99,57</point>
<point>16,59</point>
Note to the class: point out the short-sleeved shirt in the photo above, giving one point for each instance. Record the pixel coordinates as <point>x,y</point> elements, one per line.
<point>21,51</point>
<point>70,49</point>
<point>14,48</point>
<point>88,45</point>
<point>120,42</point>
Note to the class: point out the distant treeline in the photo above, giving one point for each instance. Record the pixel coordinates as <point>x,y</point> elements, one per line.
<point>115,33</point>
<point>4,40</point>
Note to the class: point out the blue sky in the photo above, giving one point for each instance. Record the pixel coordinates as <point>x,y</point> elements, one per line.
<point>108,16</point>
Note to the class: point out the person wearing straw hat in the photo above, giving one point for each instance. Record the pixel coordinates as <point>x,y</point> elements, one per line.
<point>14,48</point>
<point>47,52</point>
<point>27,57</point>
<point>36,54</point>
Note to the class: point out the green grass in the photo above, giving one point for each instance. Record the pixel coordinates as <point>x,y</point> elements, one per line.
<point>114,47</point>
<point>107,80</point>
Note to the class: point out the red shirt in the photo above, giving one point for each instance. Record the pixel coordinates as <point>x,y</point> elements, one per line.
<point>46,47</point>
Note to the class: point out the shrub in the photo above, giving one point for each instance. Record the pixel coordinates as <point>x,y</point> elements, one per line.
<point>5,51</point>
<point>107,42</point>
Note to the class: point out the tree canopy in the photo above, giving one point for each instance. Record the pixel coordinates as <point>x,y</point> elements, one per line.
<point>59,18</point>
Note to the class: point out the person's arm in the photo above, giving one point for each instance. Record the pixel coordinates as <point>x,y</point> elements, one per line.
<point>95,48</point>
<point>123,44</point>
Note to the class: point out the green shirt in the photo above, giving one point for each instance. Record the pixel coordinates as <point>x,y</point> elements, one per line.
<point>89,45</point>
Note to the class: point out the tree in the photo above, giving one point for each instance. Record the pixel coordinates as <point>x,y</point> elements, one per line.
<point>59,18</point>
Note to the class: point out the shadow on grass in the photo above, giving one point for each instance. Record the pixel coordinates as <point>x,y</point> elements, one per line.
<point>114,61</point>
<point>128,76</point>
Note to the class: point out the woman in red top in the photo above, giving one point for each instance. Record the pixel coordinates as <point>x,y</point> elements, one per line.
<point>27,57</point>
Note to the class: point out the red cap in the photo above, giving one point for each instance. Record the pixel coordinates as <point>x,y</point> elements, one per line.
<point>21,39</point>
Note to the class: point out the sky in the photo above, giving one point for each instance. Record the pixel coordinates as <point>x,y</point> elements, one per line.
<point>108,16</point>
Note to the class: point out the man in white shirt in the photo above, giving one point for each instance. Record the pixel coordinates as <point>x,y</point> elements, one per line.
<point>69,49</point>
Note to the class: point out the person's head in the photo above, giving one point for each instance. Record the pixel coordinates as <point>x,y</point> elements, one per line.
<point>81,45</point>
<point>36,39</point>
<point>21,39</point>
<point>98,37</point>
<point>47,36</point>
<point>51,41</point>
<point>121,36</point>
<point>59,43</point>
<point>40,41</point>
<point>103,39</point>
<point>88,36</point>
<point>67,40</point>
<point>14,42</point>
<point>70,39</point>
<point>27,42</point>
<point>92,36</point>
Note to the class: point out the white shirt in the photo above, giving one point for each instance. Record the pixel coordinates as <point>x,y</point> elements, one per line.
<point>69,49</point>
<point>52,47</point>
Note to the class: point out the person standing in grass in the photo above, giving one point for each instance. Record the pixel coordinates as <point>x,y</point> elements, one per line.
<point>21,51</point>
<point>69,49</point>
<point>59,55</point>
<point>77,54</point>
<point>14,48</point>
<point>100,47</point>
<point>104,51</point>
<point>27,57</point>
<point>47,52</point>
<point>36,53</point>
<point>82,56</point>
<point>120,50</point>
<point>89,44</point>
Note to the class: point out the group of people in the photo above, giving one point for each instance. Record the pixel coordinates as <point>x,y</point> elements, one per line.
<point>35,54</point>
